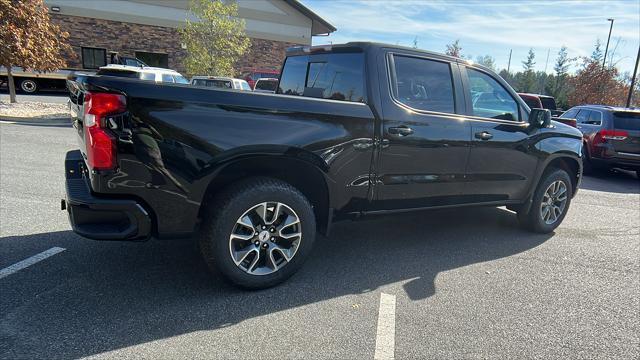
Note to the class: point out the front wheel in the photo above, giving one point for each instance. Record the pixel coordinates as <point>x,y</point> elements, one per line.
<point>550,204</point>
<point>258,232</point>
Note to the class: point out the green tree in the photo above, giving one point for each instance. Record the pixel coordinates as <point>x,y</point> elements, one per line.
<point>597,55</point>
<point>558,87</point>
<point>29,40</point>
<point>487,61</point>
<point>454,49</point>
<point>528,83</point>
<point>216,40</point>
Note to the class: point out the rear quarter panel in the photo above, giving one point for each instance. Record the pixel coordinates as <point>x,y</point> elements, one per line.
<point>182,136</point>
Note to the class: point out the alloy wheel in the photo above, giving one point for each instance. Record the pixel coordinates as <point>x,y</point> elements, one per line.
<point>554,201</point>
<point>265,238</point>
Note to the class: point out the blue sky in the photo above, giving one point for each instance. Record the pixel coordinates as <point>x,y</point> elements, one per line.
<point>490,27</point>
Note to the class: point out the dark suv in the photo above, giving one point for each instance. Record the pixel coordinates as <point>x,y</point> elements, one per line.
<point>611,136</point>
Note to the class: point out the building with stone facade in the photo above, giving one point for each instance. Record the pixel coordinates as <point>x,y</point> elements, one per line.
<point>147,30</point>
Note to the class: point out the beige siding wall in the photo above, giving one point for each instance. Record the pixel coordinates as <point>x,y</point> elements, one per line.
<point>127,38</point>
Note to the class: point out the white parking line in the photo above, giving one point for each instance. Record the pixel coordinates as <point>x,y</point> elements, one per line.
<point>29,261</point>
<point>386,334</point>
<point>7,122</point>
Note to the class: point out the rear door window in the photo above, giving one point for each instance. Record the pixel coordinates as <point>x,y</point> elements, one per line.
<point>583,116</point>
<point>147,76</point>
<point>595,118</point>
<point>423,84</point>
<point>167,78</point>
<point>327,76</point>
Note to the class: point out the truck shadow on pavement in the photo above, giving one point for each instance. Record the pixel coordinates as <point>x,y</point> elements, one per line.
<point>97,297</point>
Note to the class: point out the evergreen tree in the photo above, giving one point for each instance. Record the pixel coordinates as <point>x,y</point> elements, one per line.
<point>528,83</point>
<point>454,49</point>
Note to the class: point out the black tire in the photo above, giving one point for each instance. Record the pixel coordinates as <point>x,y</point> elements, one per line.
<point>29,86</point>
<point>587,166</point>
<point>533,219</point>
<point>220,220</point>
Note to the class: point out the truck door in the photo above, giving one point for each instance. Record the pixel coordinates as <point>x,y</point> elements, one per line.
<point>502,160</point>
<point>425,142</point>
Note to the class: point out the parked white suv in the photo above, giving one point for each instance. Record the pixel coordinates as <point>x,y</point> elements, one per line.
<point>159,75</point>
<point>220,82</point>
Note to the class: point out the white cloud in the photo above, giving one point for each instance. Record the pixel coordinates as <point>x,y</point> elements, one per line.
<point>491,27</point>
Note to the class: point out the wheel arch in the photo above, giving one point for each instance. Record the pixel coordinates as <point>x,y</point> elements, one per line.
<point>305,176</point>
<point>567,161</point>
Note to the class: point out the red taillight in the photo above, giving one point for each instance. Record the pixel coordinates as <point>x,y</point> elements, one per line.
<point>613,134</point>
<point>100,143</point>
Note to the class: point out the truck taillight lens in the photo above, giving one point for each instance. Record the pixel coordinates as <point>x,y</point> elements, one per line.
<point>99,141</point>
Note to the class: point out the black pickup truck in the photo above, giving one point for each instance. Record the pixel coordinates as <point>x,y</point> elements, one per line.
<point>353,130</point>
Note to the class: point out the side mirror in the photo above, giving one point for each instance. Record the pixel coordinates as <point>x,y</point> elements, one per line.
<point>540,118</point>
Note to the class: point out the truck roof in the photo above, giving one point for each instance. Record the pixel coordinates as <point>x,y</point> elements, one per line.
<point>364,45</point>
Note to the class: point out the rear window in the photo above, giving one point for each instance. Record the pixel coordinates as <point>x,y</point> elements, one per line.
<point>267,85</point>
<point>225,84</point>
<point>118,73</point>
<point>626,120</point>
<point>531,102</point>
<point>325,76</point>
<point>548,102</point>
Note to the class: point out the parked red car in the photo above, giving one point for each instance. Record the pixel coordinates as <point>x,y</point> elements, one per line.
<point>537,101</point>
<point>611,136</point>
<point>251,76</point>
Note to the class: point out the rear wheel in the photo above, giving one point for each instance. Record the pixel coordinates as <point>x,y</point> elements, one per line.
<point>29,86</point>
<point>258,232</point>
<point>550,202</point>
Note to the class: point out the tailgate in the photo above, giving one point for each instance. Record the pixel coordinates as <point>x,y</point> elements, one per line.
<point>76,108</point>
<point>627,123</point>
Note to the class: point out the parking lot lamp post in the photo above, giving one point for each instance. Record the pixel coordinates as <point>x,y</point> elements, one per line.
<point>604,61</point>
<point>633,79</point>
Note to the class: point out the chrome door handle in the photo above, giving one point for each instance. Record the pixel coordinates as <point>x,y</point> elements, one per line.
<point>484,135</point>
<point>400,130</point>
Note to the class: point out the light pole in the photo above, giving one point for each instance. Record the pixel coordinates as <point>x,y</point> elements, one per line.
<point>633,79</point>
<point>604,61</point>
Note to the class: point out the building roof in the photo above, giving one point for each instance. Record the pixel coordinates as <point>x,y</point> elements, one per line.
<point>279,20</point>
<point>320,26</point>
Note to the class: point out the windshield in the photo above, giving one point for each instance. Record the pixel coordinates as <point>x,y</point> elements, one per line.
<point>181,79</point>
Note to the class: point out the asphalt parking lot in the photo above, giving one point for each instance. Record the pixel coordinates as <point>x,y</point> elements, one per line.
<point>466,283</point>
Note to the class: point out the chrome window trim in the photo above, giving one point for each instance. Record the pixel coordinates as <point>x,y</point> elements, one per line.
<point>410,108</point>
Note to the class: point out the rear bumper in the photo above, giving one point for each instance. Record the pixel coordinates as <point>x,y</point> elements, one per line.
<point>100,218</point>
<point>623,163</point>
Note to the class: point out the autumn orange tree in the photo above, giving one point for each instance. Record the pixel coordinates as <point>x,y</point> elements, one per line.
<point>594,85</point>
<point>28,39</point>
